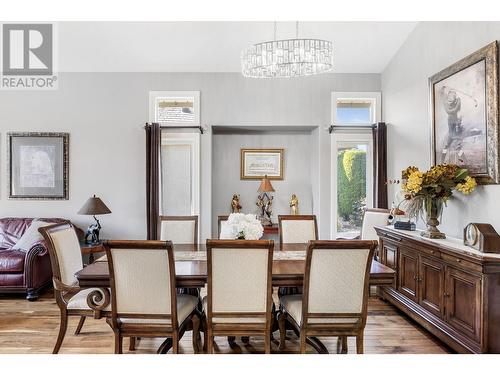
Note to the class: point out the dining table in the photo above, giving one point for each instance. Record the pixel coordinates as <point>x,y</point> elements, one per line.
<point>191,272</point>
<point>191,268</point>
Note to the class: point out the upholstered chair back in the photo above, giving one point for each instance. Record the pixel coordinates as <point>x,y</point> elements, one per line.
<point>179,229</point>
<point>65,252</point>
<point>373,218</point>
<point>337,275</point>
<point>297,229</point>
<point>221,221</point>
<point>239,275</point>
<point>142,277</point>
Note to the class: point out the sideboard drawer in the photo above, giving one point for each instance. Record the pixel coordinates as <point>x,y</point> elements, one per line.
<point>461,263</point>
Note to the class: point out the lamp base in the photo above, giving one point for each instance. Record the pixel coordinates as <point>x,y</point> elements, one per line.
<point>92,233</point>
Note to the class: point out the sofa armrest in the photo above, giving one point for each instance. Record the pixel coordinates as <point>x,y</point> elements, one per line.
<point>39,248</point>
<point>37,268</point>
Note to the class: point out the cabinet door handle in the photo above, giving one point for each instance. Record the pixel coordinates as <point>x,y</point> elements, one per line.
<point>446,294</point>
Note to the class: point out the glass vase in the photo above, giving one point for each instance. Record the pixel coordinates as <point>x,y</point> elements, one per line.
<point>433,209</point>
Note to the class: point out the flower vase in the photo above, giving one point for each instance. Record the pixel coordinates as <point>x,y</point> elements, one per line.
<point>433,208</point>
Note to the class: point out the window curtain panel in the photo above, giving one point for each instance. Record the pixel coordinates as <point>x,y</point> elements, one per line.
<point>380,165</point>
<point>153,136</point>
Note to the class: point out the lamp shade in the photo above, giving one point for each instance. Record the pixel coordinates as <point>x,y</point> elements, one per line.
<point>94,206</point>
<point>265,186</point>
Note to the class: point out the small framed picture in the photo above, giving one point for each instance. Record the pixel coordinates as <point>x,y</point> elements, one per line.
<point>38,165</point>
<point>175,108</point>
<point>255,164</point>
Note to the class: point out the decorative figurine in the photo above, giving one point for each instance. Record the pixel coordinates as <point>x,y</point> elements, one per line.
<point>269,210</point>
<point>294,205</point>
<point>261,205</point>
<point>235,204</point>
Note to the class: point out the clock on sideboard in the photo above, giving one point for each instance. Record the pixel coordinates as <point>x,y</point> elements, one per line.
<point>482,237</point>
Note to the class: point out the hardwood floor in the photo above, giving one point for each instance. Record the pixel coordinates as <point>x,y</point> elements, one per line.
<point>31,327</point>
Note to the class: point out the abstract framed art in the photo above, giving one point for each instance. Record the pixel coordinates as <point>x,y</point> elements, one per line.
<point>38,165</point>
<point>464,115</point>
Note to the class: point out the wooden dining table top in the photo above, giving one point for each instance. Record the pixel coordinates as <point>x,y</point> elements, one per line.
<point>191,272</point>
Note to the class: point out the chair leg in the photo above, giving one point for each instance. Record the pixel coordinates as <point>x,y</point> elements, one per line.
<point>282,328</point>
<point>359,343</point>
<point>80,325</point>
<point>131,346</point>
<point>175,344</point>
<point>267,344</point>
<point>62,331</point>
<point>302,343</point>
<point>196,333</point>
<point>209,340</point>
<point>204,324</point>
<point>344,345</point>
<point>118,343</point>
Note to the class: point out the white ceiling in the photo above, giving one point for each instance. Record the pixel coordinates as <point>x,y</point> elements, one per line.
<point>359,47</point>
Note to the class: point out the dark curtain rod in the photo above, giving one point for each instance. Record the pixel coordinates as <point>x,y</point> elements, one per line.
<point>350,127</point>
<point>200,128</point>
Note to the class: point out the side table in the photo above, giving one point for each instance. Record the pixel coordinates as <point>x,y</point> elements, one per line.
<point>91,249</point>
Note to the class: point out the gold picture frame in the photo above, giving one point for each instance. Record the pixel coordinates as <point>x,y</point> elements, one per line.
<point>255,163</point>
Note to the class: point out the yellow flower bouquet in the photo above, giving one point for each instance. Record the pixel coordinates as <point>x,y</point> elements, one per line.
<point>428,191</point>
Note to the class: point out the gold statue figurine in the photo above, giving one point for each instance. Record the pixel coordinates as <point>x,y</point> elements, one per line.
<point>235,204</point>
<point>294,205</point>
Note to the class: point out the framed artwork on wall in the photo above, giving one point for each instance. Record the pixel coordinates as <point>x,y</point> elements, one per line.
<point>38,165</point>
<point>175,108</point>
<point>464,115</point>
<point>257,163</point>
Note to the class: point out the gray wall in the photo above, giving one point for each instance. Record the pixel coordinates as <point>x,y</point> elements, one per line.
<point>226,173</point>
<point>431,47</point>
<point>104,113</point>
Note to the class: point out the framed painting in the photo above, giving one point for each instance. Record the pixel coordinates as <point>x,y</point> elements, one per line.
<point>255,164</point>
<point>175,108</point>
<point>38,165</point>
<point>464,115</point>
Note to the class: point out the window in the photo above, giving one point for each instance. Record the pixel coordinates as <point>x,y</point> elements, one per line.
<point>356,108</point>
<point>175,108</point>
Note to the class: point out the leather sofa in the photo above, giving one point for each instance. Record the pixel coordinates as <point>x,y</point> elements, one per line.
<point>23,271</point>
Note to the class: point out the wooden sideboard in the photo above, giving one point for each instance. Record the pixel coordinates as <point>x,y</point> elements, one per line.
<point>453,291</point>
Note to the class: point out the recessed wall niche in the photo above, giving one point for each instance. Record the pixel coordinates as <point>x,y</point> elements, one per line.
<point>299,171</point>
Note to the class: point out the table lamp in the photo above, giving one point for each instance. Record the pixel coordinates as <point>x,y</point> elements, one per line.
<point>264,202</point>
<point>93,206</point>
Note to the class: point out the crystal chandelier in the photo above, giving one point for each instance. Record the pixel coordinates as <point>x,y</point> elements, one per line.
<point>287,57</point>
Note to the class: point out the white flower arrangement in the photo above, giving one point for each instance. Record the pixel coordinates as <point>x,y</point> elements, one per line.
<point>241,226</point>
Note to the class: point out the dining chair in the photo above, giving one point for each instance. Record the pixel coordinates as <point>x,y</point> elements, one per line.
<point>179,229</point>
<point>221,220</point>
<point>335,298</point>
<point>297,228</point>
<point>239,300</point>
<point>144,299</point>
<point>66,259</point>
<point>373,217</point>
